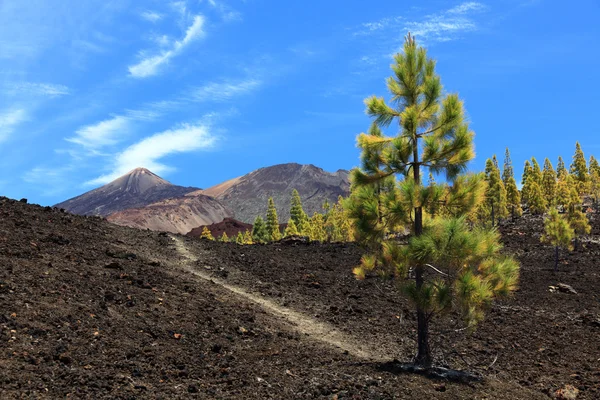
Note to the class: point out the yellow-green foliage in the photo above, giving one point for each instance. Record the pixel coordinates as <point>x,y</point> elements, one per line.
<point>464,267</point>
<point>579,222</point>
<point>247,237</point>
<point>536,200</point>
<point>579,169</point>
<point>206,234</point>
<point>549,183</point>
<point>557,230</point>
<point>259,231</point>
<point>513,197</point>
<point>273,231</point>
<point>224,238</point>
<point>317,228</point>
<point>337,223</point>
<point>239,239</point>
<point>291,229</point>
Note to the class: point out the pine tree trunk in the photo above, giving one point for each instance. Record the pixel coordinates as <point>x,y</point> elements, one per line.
<point>555,258</point>
<point>423,358</point>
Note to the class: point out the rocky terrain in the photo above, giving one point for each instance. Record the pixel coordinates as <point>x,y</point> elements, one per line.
<point>247,196</point>
<point>176,215</point>
<point>137,188</point>
<point>89,309</point>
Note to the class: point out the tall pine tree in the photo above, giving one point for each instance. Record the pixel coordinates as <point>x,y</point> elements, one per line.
<point>560,168</point>
<point>273,231</point>
<point>513,197</point>
<point>593,165</point>
<point>432,134</point>
<point>526,182</point>
<point>558,233</point>
<point>259,231</point>
<point>495,192</point>
<point>579,170</point>
<point>297,213</point>
<point>549,183</point>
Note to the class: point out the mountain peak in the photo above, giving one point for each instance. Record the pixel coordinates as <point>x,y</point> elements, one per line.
<point>137,188</point>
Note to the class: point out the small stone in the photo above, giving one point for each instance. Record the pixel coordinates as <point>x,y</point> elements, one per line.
<point>192,389</point>
<point>567,392</point>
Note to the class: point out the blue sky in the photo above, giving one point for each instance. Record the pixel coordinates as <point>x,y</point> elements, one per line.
<point>201,91</point>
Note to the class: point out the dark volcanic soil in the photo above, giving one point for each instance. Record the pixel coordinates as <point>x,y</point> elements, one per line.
<point>93,310</point>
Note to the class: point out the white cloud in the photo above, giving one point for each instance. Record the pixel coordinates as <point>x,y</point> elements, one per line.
<point>439,27</point>
<point>150,65</point>
<point>104,133</point>
<point>31,88</point>
<point>227,13</point>
<point>9,121</point>
<point>466,7</point>
<point>221,91</point>
<point>151,16</point>
<point>147,152</point>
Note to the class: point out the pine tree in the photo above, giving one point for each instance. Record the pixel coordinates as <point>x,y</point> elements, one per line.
<point>526,182</point>
<point>560,168</point>
<point>224,238</point>
<point>536,172</point>
<point>206,234</point>
<point>337,223</point>
<point>317,228</point>
<point>537,201</point>
<point>549,182</point>
<point>273,231</point>
<point>594,187</point>
<point>291,229</point>
<point>259,231</point>
<point>495,192</point>
<point>563,191</point>
<point>593,165</point>
<point>247,238</point>
<point>513,197</point>
<point>239,239</point>
<point>558,233</point>
<point>579,223</point>
<point>433,134</point>
<point>297,212</point>
<point>579,169</point>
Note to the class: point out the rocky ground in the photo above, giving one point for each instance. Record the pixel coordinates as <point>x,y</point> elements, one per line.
<point>93,310</point>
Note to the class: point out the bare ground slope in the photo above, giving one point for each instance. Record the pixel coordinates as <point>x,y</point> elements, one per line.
<point>93,310</point>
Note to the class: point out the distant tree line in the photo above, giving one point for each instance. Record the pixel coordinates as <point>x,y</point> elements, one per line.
<point>332,225</point>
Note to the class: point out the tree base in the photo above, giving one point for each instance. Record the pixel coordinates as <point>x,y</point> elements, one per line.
<point>396,367</point>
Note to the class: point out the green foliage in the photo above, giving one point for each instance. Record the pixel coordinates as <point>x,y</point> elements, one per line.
<point>513,197</point>
<point>593,166</point>
<point>594,187</point>
<point>558,232</point>
<point>224,238</point>
<point>560,168</point>
<point>579,222</point>
<point>579,169</point>
<point>317,228</point>
<point>451,249</point>
<point>297,213</point>
<point>259,231</point>
<point>247,239</point>
<point>433,134</point>
<point>273,231</point>
<point>494,207</point>
<point>526,182</point>
<point>536,172</point>
<point>239,239</point>
<point>549,182</point>
<point>537,202</point>
<point>206,234</point>
<point>291,229</point>
<point>338,226</point>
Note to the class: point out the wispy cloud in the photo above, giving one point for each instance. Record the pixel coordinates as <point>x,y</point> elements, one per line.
<point>151,16</point>
<point>466,7</point>
<point>227,13</point>
<point>222,91</point>
<point>150,65</point>
<point>39,89</point>
<point>9,121</point>
<point>104,133</point>
<point>438,27</point>
<point>149,151</point>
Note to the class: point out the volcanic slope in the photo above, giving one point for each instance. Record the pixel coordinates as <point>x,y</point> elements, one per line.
<point>135,189</point>
<point>247,195</point>
<point>175,215</point>
<point>89,309</point>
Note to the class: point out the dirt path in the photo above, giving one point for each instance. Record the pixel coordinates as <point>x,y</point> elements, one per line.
<point>303,324</point>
